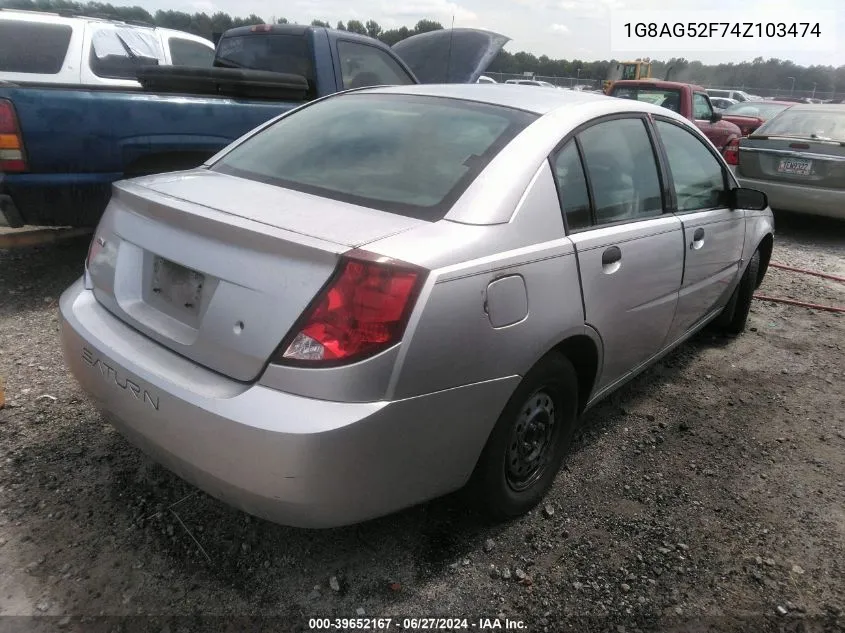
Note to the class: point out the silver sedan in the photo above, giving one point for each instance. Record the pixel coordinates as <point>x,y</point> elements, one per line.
<point>394,293</point>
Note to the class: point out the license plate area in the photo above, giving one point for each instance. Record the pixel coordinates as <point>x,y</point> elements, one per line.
<point>177,287</point>
<point>795,166</point>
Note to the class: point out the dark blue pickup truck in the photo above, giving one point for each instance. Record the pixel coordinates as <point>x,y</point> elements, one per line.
<point>62,146</point>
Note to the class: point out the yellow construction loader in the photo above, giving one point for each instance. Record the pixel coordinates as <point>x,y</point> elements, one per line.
<point>639,69</point>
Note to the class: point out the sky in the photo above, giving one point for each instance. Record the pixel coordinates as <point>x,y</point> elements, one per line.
<point>560,29</point>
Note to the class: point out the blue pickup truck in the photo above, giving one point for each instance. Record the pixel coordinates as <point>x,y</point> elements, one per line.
<point>62,146</point>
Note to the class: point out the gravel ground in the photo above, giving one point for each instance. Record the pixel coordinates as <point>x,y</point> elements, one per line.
<point>709,494</point>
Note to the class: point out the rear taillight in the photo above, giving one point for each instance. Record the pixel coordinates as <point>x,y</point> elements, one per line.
<point>12,157</point>
<point>731,152</point>
<point>362,310</point>
<point>94,247</point>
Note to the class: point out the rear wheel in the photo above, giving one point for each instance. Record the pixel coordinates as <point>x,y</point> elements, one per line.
<point>530,440</point>
<point>733,318</point>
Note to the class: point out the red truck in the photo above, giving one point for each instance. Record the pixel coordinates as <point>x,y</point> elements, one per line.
<point>691,102</point>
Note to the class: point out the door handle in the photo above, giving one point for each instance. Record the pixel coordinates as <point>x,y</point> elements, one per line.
<point>697,239</point>
<point>611,260</point>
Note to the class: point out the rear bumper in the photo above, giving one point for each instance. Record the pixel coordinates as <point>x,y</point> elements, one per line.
<point>290,459</point>
<point>799,198</point>
<point>56,199</point>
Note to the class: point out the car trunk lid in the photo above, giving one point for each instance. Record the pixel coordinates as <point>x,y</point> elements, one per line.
<point>450,55</point>
<point>811,162</point>
<point>217,268</point>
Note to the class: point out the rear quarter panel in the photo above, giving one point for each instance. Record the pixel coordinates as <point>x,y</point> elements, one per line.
<point>722,133</point>
<point>746,124</point>
<point>450,340</point>
<point>758,224</point>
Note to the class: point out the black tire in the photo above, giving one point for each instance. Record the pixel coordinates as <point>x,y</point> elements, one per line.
<point>495,486</point>
<point>733,318</point>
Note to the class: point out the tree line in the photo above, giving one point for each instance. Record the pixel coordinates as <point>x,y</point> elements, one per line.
<point>757,75</point>
<point>760,75</point>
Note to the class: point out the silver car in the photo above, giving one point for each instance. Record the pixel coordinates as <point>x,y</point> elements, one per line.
<point>798,159</point>
<point>389,294</point>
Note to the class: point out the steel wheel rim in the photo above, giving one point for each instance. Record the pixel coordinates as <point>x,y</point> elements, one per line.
<point>532,440</point>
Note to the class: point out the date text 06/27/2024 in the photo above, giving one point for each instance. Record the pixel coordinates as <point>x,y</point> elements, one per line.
<point>779,32</point>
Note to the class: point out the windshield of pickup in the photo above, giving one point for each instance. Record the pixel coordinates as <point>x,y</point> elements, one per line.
<point>667,98</point>
<point>409,155</point>
<point>276,52</point>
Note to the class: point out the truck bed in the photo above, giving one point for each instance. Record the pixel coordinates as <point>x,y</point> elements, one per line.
<point>107,134</point>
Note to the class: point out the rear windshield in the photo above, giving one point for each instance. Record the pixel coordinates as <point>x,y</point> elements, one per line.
<point>667,98</point>
<point>826,123</point>
<point>404,154</point>
<point>189,53</point>
<point>759,109</point>
<point>33,47</point>
<point>276,52</point>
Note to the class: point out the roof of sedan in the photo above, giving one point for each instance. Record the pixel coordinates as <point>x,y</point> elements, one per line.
<point>536,99</point>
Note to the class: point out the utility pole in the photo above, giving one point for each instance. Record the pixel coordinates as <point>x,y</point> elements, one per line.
<point>792,86</point>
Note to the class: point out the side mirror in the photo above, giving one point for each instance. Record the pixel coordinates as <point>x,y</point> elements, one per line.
<point>715,117</point>
<point>751,199</point>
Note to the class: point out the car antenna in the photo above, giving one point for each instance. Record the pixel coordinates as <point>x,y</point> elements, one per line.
<point>449,58</point>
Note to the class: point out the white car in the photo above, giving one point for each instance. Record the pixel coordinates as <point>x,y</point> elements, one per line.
<point>49,48</point>
<point>484,79</point>
<point>736,95</point>
<point>722,103</point>
<point>530,82</point>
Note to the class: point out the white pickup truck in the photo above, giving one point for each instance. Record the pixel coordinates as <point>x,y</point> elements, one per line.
<point>55,49</point>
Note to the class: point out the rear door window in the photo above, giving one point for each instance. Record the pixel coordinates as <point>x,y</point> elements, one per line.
<point>404,154</point>
<point>189,53</point>
<point>572,187</point>
<point>622,168</point>
<point>33,47</point>
<point>362,65</point>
